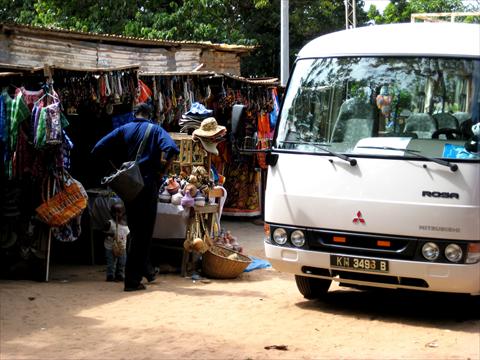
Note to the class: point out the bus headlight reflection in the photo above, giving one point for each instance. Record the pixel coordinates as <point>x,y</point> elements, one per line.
<point>280,236</point>
<point>430,251</point>
<point>297,238</point>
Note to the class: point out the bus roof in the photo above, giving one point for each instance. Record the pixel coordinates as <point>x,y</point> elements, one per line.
<point>410,39</point>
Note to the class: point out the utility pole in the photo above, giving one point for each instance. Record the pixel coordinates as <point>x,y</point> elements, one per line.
<point>284,43</point>
<point>350,14</point>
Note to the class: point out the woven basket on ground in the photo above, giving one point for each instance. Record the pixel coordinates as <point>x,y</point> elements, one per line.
<point>216,264</point>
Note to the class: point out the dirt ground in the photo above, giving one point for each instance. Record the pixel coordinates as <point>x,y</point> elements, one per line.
<point>77,315</point>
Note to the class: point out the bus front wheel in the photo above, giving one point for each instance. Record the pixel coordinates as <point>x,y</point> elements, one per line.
<point>312,288</point>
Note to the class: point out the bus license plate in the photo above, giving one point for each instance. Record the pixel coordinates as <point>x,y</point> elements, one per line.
<point>359,263</point>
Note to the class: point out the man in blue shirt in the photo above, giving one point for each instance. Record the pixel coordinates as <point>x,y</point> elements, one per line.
<point>119,146</point>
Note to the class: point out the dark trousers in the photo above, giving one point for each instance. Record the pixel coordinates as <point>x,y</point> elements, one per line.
<point>141,215</point>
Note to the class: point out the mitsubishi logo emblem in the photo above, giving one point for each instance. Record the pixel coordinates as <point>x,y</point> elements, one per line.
<point>359,219</point>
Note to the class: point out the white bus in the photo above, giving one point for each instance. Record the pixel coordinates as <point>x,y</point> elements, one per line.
<point>373,176</point>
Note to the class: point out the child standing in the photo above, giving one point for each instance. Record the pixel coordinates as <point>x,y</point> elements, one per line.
<point>116,228</point>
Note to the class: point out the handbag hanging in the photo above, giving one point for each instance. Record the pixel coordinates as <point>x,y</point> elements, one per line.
<point>127,181</point>
<point>117,247</point>
<point>69,201</point>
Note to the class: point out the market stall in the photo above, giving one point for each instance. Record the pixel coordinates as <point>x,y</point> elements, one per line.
<point>173,95</point>
<point>63,90</point>
<point>89,104</point>
<point>49,118</point>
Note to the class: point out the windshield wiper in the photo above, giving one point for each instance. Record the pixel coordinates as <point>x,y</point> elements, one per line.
<point>453,167</point>
<point>322,146</point>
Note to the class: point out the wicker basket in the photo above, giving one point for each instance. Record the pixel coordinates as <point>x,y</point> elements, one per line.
<point>68,203</point>
<point>215,263</point>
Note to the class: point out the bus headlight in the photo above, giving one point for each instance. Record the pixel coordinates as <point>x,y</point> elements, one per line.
<point>297,238</point>
<point>453,253</point>
<point>280,236</point>
<point>430,251</point>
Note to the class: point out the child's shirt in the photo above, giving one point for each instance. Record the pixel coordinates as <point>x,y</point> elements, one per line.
<point>123,232</point>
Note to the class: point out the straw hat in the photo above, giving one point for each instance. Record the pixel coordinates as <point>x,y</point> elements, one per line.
<point>209,146</point>
<point>209,128</point>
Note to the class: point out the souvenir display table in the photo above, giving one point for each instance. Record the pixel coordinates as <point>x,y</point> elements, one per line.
<point>171,221</point>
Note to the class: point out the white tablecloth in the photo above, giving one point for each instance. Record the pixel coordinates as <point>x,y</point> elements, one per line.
<point>171,222</point>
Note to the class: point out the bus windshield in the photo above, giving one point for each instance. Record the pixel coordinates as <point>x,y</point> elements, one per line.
<point>381,105</point>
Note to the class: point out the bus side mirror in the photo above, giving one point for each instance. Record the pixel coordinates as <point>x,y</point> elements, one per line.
<point>237,113</point>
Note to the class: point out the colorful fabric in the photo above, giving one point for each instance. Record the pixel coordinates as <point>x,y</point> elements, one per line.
<point>20,112</point>
<point>68,232</point>
<point>275,111</point>
<point>143,93</point>
<point>53,126</point>
<point>66,148</point>
<point>30,97</point>
<point>40,129</point>
<point>35,118</point>
<point>24,159</point>
<point>3,120</point>
<point>5,110</point>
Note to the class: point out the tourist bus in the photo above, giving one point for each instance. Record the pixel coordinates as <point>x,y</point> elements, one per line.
<point>373,174</point>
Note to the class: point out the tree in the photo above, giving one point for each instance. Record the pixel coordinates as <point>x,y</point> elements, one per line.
<point>400,11</point>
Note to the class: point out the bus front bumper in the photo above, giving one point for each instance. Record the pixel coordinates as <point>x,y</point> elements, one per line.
<point>402,274</point>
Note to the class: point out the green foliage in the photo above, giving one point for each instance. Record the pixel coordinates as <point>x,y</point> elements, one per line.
<point>400,11</point>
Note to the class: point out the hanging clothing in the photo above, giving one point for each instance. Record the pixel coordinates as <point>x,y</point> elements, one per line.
<point>3,119</point>
<point>276,110</point>
<point>53,126</point>
<point>20,112</point>
<point>5,111</point>
<point>30,97</point>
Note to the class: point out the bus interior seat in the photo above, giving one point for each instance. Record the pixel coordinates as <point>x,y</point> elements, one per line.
<point>422,124</point>
<point>352,130</point>
<point>462,117</point>
<point>446,121</point>
<point>354,121</point>
<point>465,123</point>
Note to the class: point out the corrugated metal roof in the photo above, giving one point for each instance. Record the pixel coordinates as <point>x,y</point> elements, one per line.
<point>253,81</point>
<point>177,73</point>
<point>90,36</point>
<point>6,74</point>
<point>68,68</point>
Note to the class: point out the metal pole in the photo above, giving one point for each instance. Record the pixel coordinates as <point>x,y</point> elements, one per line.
<point>47,265</point>
<point>346,13</point>
<point>284,43</point>
<point>350,14</point>
<point>354,13</point>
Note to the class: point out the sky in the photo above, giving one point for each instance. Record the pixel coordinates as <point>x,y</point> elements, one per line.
<point>380,4</point>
